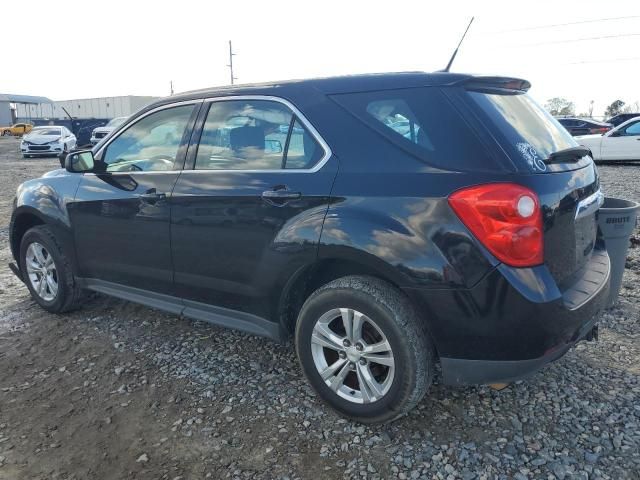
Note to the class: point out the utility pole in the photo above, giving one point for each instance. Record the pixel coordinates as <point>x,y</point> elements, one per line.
<point>171,87</point>
<point>231,54</point>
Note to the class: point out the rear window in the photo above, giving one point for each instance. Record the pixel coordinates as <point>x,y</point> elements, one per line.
<point>529,130</point>
<point>423,122</point>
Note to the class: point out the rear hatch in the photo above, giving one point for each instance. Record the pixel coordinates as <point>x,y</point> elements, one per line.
<point>549,161</point>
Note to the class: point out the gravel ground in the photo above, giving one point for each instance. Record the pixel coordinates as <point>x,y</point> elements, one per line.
<point>117,390</point>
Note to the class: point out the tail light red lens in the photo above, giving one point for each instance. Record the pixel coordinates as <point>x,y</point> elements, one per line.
<point>506,218</point>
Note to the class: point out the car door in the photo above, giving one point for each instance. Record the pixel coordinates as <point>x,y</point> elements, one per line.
<point>622,144</point>
<point>121,215</point>
<point>249,212</point>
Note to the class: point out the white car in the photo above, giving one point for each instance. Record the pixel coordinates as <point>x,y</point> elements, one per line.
<point>51,140</point>
<point>620,143</point>
<point>99,133</point>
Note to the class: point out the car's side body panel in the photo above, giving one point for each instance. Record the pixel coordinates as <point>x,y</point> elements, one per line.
<point>231,247</point>
<point>120,236</point>
<point>47,199</point>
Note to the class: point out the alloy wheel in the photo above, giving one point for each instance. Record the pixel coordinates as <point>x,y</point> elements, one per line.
<point>42,272</point>
<point>352,355</point>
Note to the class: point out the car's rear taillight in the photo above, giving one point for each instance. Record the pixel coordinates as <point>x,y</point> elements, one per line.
<point>599,130</point>
<point>506,218</point>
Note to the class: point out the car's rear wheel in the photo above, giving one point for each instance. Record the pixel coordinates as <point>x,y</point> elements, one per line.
<point>6,132</point>
<point>363,349</point>
<point>47,271</point>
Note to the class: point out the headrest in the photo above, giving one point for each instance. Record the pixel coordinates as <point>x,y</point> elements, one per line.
<point>247,136</point>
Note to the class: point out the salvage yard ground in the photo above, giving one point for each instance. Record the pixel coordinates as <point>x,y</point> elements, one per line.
<point>116,390</point>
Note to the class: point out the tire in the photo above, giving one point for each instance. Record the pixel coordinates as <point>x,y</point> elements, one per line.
<point>67,294</point>
<point>6,132</point>
<point>385,314</point>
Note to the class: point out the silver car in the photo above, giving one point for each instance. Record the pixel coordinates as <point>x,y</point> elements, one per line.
<point>100,132</point>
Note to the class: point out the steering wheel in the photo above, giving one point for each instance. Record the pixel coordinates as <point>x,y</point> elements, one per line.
<point>164,160</point>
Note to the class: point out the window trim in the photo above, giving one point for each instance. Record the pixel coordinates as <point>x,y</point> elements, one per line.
<point>195,142</point>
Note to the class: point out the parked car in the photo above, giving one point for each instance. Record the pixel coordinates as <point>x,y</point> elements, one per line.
<point>582,126</point>
<point>52,140</point>
<point>17,129</point>
<point>471,242</point>
<point>99,133</point>
<point>621,143</point>
<point>621,118</point>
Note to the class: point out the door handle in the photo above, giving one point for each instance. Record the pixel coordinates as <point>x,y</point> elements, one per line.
<point>281,194</point>
<point>152,196</point>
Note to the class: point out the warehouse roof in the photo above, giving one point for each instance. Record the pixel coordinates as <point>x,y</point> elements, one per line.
<point>8,97</point>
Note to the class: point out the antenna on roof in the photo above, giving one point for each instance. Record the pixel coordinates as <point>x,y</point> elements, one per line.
<point>453,57</point>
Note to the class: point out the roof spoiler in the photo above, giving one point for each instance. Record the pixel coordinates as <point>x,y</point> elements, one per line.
<point>506,83</point>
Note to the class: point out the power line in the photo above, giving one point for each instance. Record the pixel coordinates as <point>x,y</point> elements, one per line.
<point>572,40</point>
<point>540,27</point>
<point>611,60</point>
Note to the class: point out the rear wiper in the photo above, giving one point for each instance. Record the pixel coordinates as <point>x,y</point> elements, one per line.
<point>572,154</point>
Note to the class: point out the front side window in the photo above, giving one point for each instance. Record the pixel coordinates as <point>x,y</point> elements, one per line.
<point>252,135</point>
<point>150,144</point>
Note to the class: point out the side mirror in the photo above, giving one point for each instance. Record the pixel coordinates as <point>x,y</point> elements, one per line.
<point>615,133</point>
<point>79,162</point>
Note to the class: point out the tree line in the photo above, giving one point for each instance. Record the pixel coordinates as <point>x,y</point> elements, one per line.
<point>561,107</point>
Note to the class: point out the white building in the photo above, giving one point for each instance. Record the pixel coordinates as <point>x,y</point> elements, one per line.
<point>103,107</point>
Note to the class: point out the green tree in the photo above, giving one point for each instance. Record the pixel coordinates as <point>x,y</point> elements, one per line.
<point>614,109</point>
<point>558,106</point>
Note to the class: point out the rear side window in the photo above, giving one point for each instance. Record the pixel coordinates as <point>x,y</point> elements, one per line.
<point>423,122</point>
<point>255,135</point>
<point>528,130</point>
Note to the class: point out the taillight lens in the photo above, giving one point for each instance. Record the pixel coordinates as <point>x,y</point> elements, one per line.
<point>506,218</point>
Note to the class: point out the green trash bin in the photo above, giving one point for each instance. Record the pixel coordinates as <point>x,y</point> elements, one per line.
<point>617,219</point>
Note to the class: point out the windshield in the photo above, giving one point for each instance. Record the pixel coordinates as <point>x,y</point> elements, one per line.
<point>528,128</point>
<point>46,131</point>
<point>116,122</point>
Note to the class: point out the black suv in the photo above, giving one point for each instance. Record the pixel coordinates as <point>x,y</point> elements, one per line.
<point>388,222</point>
<point>621,118</point>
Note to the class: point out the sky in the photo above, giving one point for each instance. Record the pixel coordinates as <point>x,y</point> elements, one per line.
<point>581,50</point>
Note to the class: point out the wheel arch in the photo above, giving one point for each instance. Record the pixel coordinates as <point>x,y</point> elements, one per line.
<point>310,277</point>
<point>27,217</point>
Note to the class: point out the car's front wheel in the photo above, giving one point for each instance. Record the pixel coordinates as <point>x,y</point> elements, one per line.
<point>363,349</point>
<point>47,271</point>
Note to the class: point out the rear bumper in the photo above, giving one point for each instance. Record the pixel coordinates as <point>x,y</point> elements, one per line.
<point>459,371</point>
<point>513,322</point>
